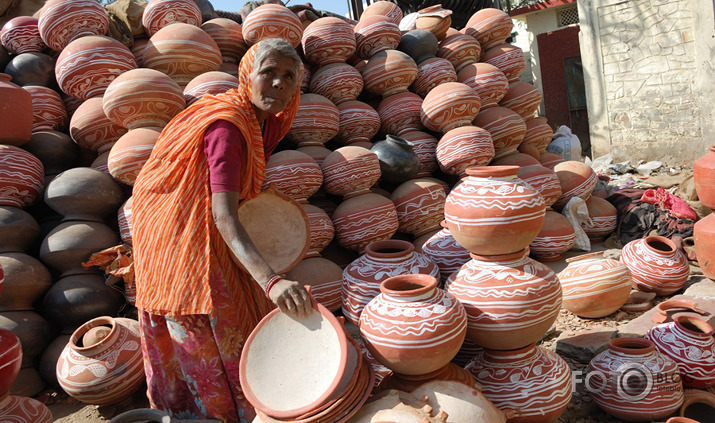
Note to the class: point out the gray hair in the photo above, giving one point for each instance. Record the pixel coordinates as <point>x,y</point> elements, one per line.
<point>272,46</point>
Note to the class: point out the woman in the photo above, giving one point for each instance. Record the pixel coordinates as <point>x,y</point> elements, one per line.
<point>197,306</point>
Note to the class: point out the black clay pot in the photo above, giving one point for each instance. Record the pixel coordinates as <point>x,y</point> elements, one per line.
<point>32,69</point>
<point>18,229</point>
<point>419,44</point>
<point>398,161</point>
<point>56,150</point>
<point>4,57</point>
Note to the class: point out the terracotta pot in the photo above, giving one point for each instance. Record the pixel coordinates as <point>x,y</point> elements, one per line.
<point>215,82</point>
<point>338,82</point>
<point>71,243</point>
<point>409,383</point>
<point>657,265</point>
<point>556,236</point>
<point>317,152</point>
<point>48,361</point>
<point>26,280</point>
<point>82,193</point>
<point>464,147</point>
<point>687,340</point>
<point>492,203</point>
<point>425,146</point>
<point>10,360</point>
<point>489,26</point>
<point>704,233</point>
<point>142,97</point>
<point>704,176</point>
<point>383,8</point>
<point>161,13</point>
<point>461,50</point>
<point>523,98</point>
<point>434,19</point>
<point>532,382</point>
<point>87,66</point>
<point>389,72</point>
<point>322,231</point>
<point>21,177</point>
<point>19,409</point>
<point>538,134</point>
<point>504,315</point>
<point>106,372</point>
<point>18,230</point>
<point>622,378</point>
<point>316,121</point>
<point>517,159</point>
<point>358,122</point>
<point>272,21</point>
<point>48,109</point>
<point>431,73</point>
<point>550,160</point>
<point>698,406</point>
<point>603,219</point>
<point>420,206</point>
<point>577,180</point>
<point>182,51</point>
<point>374,34</point>
<point>324,278</point>
<point>447,254</point>
<point>33,331</point>
<point>124,220</point>
<point>382,259</point>
<point>544,180</point>
<point>100,163</point>
<point>400,113</point>
<point>16,120</point>
<point>506,128</point>
<point>294,173</point>
<point>361,219</point>
<point>130,152</point>
<point>328,40</point>
<point>419,44</point>
<point>486,80</point>
<point>62,21</point>
<point>412,327</point>
<point>398,163</point>
<point>138,50</point>
<point>508,58</point>
<point>350,170</point>
<point>91,128</point>
<point>449,106</point>
<point>21,35</point>
<point>228,36</point>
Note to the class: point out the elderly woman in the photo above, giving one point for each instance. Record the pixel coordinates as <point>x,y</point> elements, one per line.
<point>196,305</point>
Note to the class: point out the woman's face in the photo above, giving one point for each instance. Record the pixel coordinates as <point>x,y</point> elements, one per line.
<point>274,84</point>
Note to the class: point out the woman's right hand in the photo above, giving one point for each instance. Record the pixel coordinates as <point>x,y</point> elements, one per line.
<point>291,298</point>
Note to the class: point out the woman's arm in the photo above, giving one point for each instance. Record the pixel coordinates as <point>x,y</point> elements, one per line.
<point>288,295</point>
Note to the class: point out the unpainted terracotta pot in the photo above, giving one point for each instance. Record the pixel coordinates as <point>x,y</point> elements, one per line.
<point>656,264</point>
<point>704,234</point>
<point>62,21</point>
<point>697,406</point>
<point>704,177</point>
<point>161,13</point>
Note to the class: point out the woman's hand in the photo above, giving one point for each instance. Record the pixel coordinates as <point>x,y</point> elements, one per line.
<point>291,298</point>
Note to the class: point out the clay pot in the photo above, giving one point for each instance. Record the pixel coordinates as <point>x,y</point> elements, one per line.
<point>71,243</point>
<point>338,82</point>
<point>492,203</point>
<point>322,231</point>
<point>182,51</point>
<point>18,230</point>
<point>48,109</point>
<point>26,280</point>
<point>87,66</point>
<point>420,206</point>
<point>486,80</point>
<point>21,35</point>
<point>594,286</point>
<point>461,50</point>
<point>124,220</point>
<point>106,372</point>
<point>215,82</point>
<point>32,69</point>
<point>324,278</point>
<point>374,34</point>
<point>21,177</point>
<point>91,128</point>
<point>412,327</point>
<point>577,180</point>
<point>130,152</point>
<point>603,219</point>
<point>19,409</point>
<point>434,19</point>
<point>138,50</point>
<point>328,40</point>
<point>503,315</point>
<point>419,44</point>
<point>657,265</point>
<point>10,360</point>
<point>516,159</point>
<point>704,233</point>
<point>142,97</point>
<point>383,8</point>
<point>349,171</point>
<point>33,331</point>
<point>464,147</point>
<point>489,26</point>
<point>445,252</point>
<point>294,173</point>
<point>48,360</point>
<point>272,21</point>
<point>431,73</point>
<point>538,133</point>
<point>698,406</point>
<point>82,193</point>
<point>523,98</point>
<point>704,177</point>
<point>550,160</point>
<point>161,13</point>
<point>449,106</point>
<point>544,180</point>
<point>508,58</point>
<point>622,376</point>
<point>228,36</point>
<point>400,113</point>
<point>317,152</point>
<point>410,383</point>
<point>506,128</point>
<point>398,163</point>
<point>316,121</point>
<point>361,219</point>
<point>556,236</point>
<point>532,382</point>
<point>358,122</point>
<point>425,146</point>
<point>382,259</point>
<point>62,21</point>
<point>100,163</point>
<point>389,72</point>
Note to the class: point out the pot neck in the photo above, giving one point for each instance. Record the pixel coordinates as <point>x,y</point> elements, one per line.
<point>693,327</point>
<point>510,356</point>
<point>629,347</point>
<point>660,245</point>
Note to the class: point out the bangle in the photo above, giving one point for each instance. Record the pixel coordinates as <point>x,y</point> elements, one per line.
<point>272,281</point>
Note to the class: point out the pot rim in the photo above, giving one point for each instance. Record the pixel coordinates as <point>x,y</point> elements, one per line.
<point>492,171</point>
<point>631,346</point>
<point>419,283</point>
<point>404,247</point>
<point>97,321</point>
<point>657,238</point>
<point>705,330</point>
<point>518,255</point>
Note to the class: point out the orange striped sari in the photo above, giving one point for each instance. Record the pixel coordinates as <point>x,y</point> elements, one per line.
<point>175,239</point>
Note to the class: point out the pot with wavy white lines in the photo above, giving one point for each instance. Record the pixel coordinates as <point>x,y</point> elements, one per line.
<point>490,26</point>
<point>295,174</point>
<point>460,49</point>
<point>657,265</point>
<point>464,147</point>
<point>364,218</point>
<point>506,127</point>
<point>447,254</point>
<point>486,80</point>
<point>316,121</point>
<point>556,236</point>
<point>338,82</point>
<point>420,206</point>
<point>603,219</point>
<point>358,123</point>
<point>374,34</point>
<point>61,21</point>
<point>577,180</point>
<point>413,327</point>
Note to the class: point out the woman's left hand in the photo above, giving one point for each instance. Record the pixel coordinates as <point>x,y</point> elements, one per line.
<point>291,298</point>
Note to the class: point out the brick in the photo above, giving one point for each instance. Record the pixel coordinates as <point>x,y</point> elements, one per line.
<point>582,346</point>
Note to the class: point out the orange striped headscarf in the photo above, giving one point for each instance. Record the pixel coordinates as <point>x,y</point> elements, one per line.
<point>171,204</point>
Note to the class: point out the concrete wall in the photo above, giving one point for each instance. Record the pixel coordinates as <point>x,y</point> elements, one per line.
<point>650,77</point>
